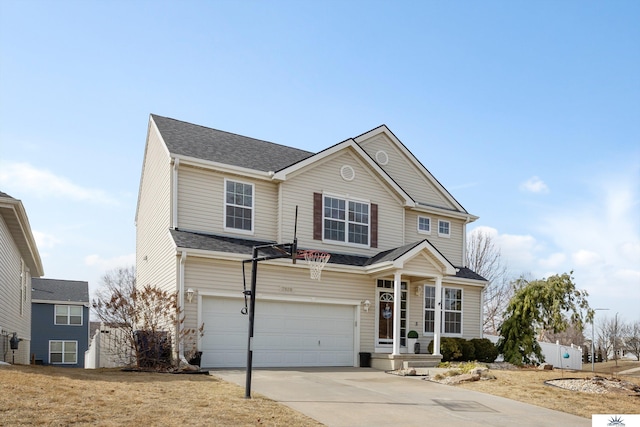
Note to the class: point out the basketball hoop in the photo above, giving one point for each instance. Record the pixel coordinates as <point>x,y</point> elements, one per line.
<point>316,260</point>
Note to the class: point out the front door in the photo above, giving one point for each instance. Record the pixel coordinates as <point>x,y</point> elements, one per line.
<point>385,314</point>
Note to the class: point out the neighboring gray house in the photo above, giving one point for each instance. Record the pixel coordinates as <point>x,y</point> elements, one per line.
<point>60,322</point>
<point>19,262</point>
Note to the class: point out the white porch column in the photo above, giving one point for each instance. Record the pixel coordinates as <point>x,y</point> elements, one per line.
<point>397,308</point>
<point>437,327</point>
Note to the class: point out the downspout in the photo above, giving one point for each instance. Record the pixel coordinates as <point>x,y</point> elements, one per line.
<point>183,260</point>
<point>464,242</point>
<point>174,194</point>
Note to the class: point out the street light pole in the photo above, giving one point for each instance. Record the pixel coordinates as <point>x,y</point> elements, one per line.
<point>593,351</point>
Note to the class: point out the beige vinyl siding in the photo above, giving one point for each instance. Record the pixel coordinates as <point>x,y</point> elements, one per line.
<point>471,315</point>
<point>422,265</point>
<point>11,320</point>
<point>155,249</point>
<point>201,197</point>
<point>451,247</point>
<point>325,178</point>
<point>405,173</point>
<point>285,281</point>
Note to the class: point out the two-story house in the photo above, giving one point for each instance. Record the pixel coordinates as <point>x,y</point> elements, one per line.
<point>60,322</point>
<point>395,235</point>
<point>19,262</point>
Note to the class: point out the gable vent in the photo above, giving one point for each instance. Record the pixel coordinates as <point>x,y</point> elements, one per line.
<point>382,157</point>
<point>347,173</point>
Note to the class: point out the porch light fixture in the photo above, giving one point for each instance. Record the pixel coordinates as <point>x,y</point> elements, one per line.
<point>366,304</point>
<point>418,291</point>
<point>190,293</point>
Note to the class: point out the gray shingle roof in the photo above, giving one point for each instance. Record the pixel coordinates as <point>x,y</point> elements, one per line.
<point>210,242</point>
<point>204,143</point>
<point>5,195</point>
<point>59,290</point>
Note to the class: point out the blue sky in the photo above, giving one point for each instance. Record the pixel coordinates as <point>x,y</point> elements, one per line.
<point>528,112</point>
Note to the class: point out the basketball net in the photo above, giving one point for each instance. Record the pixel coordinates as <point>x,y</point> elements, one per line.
<point>316,261</point>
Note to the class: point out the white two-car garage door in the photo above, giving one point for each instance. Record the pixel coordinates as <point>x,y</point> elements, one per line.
<point>286,334</point>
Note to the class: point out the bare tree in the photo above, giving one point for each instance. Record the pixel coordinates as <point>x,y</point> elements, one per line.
<point>572,335</point>
<point>611,336</point>
<point>633,339</point>
<point>143,321</point>
<point>484,258</point>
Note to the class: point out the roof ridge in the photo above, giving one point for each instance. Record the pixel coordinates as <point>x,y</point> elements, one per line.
<point>232,133</point>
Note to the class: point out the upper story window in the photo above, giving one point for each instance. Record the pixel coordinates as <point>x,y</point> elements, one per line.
<point>346,221</point>
<point>451,310</point>
<point>444,228</point>
<point>68,315</point>
<point>424,225</point>
<point>238,206</point>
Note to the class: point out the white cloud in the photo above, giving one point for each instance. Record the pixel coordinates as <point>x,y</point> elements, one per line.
<point>553,262</point>
<point>585,258</point>
<point>106,264</point>
<point>45,241</point>
<point>534,185</point>
<point>25,178</point>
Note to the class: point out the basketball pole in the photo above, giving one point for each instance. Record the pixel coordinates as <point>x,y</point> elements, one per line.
<point>282,248</point>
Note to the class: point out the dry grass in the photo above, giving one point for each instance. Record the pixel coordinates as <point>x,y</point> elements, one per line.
<point>49,396</point>
<point>527,385</point>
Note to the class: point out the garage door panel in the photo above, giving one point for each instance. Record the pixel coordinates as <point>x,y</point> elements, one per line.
<point>286,334</point>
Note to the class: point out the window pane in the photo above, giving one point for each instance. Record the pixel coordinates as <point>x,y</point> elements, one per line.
<point>359,234</point>
<point>443,227</point>
<point>62,320</point>
<point>75,320</point>
<point>429,322</point>
<point>56,357</point>
<point>238,218</point>
<point>75,310</point>
<point>333,230</point>
<point>55,346</point>
<point>61,310</point>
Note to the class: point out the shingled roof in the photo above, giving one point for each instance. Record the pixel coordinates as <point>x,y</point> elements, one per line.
<point>59,290</point>
<point>211,242</point>
<point>187,139</point>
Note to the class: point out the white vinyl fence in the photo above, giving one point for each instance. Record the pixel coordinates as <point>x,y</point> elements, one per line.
<point>560,356</point>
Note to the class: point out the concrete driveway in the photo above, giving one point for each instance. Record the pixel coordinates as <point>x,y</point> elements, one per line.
<point>364,397</point>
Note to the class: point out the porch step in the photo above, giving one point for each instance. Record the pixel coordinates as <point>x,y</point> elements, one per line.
<point>406,364</point>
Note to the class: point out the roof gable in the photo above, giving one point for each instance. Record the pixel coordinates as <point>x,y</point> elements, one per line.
<point>396,159</point>
<point>199,142</point>
<point>347,145</point>
<point>15,217</point>
<point>59,290</point>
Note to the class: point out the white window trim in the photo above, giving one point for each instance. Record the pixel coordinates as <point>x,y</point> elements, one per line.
<point>442,311</point>
<point>68,306</point>
<point>447,235</point>
<point>63,346</point>
<point>346,242</point>
<point>418,224</point>
<point>253,205</point>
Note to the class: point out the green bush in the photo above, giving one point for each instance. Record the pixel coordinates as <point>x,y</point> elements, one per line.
<point>449,348</point>
<point>468,350</point>
<point>412,334</point>
<point>485,350</point>
<point>461,350</point>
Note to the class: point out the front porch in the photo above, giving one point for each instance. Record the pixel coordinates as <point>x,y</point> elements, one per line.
<point>394,362</point>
